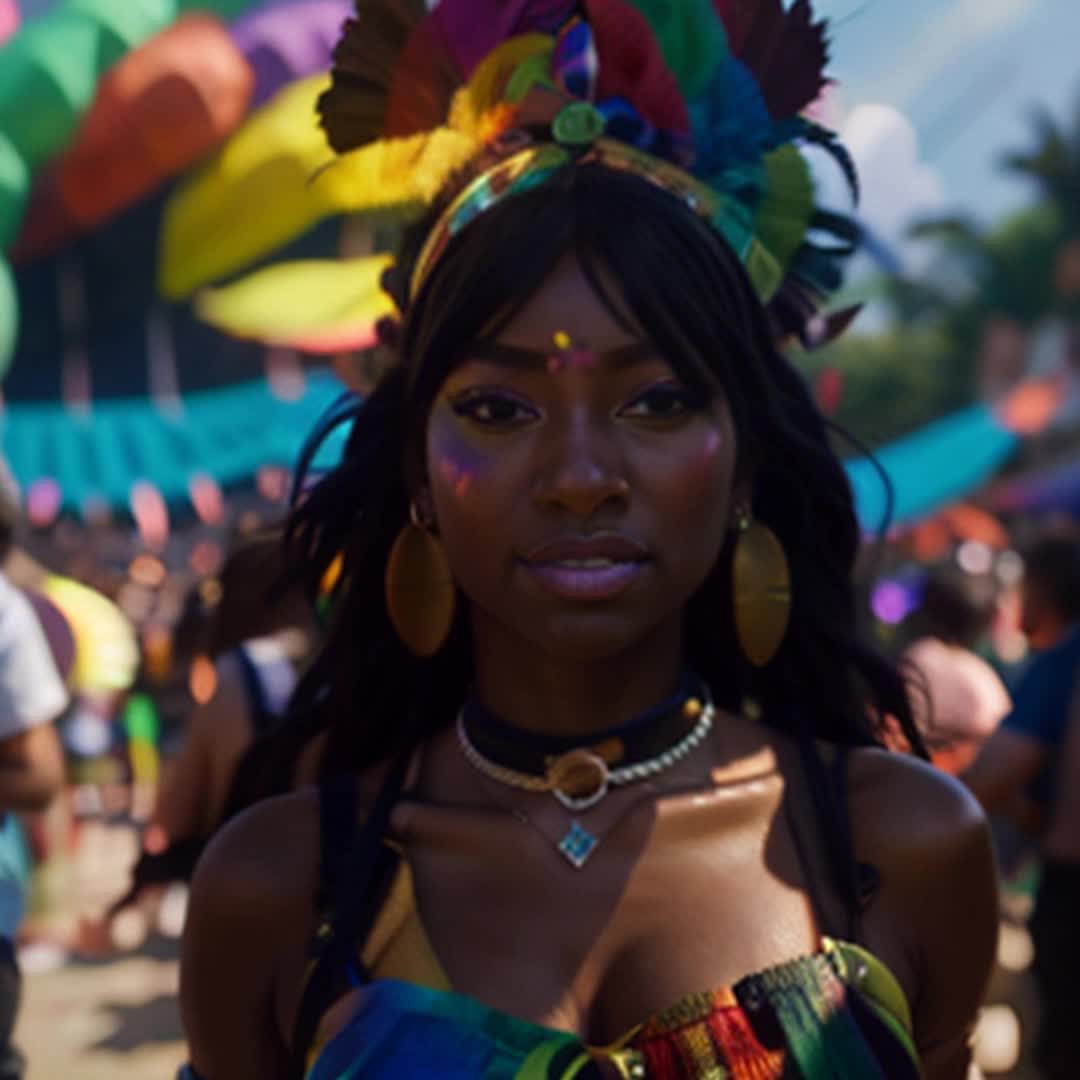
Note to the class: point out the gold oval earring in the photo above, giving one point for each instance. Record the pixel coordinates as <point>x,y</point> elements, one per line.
<point>761,586</point>
<point>420,593</point>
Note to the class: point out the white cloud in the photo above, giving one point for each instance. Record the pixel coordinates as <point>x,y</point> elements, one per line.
<point>898,187</point>
<point>960,26</point>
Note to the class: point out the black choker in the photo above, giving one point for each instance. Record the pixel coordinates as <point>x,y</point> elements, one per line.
<point>579,774</point>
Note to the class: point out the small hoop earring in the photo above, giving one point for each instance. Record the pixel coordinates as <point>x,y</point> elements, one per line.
<point>420,594</point>
<point>761,588</point>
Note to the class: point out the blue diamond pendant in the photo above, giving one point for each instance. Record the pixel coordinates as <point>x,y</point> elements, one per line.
<point>577,845</point>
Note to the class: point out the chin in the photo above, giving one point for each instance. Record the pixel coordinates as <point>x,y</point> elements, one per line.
<point>589,636</point>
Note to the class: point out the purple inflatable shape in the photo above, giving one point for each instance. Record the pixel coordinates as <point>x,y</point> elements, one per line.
<point>284,42</point>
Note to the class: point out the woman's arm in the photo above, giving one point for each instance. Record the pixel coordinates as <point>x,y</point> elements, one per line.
<point>249,920</point>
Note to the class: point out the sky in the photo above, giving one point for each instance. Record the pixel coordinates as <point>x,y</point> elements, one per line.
<point>966,74</point>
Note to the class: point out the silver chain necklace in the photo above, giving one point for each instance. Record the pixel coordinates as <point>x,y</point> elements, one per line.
<point>580,778</point>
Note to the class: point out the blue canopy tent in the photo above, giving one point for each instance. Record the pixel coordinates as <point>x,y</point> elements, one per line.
<point>931,468</point>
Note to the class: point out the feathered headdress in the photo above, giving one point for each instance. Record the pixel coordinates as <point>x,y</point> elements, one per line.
<point>702,97</point>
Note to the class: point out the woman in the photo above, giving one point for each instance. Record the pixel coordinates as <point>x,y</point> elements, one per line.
<point>605,761</point>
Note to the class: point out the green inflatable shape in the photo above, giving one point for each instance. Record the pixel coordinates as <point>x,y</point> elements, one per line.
<point>227,9</point>
<point>9,317</point>
<point>133,21</point>
<point>49,70</point>
<point>14,190</point>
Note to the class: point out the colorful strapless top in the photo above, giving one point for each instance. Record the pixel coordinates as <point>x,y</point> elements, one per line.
<point>838,1013</point>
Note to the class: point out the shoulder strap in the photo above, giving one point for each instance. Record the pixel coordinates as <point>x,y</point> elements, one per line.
<point>337,833</point>
<point>356,870</point>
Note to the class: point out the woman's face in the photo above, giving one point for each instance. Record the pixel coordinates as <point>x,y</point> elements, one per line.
<point>582,493</point>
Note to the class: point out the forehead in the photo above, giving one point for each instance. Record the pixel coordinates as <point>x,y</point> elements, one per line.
<point>567,304</point>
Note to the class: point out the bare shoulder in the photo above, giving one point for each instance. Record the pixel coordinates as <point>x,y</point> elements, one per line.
<point>249,919</point>
<point>268,854</point>
<point>938,902</point>
<point>906,808</point>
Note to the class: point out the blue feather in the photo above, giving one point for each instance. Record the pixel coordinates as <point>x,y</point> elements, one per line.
<point>731,122</point>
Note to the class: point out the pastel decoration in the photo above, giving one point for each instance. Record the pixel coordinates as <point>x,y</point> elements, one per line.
<point>317,307</point>
<point>57,632</point>
<point>253,196</point>
<point>9,19</point>
<point>157,111</point>
<point>288,41</point>
<point>9,317</point>
<point>106,650</point>
<point>49,70</point>
<point>47,224</point>
<point>14,190</point>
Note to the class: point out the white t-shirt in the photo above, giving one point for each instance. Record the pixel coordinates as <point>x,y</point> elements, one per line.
<point>31,694</point>
<point>31,691</point>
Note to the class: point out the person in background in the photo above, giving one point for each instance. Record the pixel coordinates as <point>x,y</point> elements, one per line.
<point>32,696</point>
<point>1034,759</point>
<point>257,637</point>
<point>958,699</point>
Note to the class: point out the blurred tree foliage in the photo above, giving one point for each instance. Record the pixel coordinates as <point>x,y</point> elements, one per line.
<point>1022,272</point>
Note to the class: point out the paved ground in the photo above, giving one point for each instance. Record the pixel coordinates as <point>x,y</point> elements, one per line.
<point>113,1020</point>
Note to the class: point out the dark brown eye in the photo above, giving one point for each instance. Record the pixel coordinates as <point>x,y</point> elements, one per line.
<point>492,410</point>
<point>665,401</point>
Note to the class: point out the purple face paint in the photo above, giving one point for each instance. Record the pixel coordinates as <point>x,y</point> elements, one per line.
<point>457,465</point>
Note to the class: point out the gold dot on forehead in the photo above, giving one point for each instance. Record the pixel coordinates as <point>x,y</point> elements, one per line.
<point>563,340</point>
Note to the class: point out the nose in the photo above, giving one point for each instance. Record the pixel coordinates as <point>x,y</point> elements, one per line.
<point>582,470</point>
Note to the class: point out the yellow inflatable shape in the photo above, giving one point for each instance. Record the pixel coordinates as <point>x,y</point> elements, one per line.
<point>106,651</point>
<point>316,306</point>
<point>254,195</point>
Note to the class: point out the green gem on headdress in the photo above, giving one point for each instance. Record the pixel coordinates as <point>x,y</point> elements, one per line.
<point>578,125</point>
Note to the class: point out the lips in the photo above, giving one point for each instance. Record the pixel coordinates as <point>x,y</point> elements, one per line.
<point>597,567</point>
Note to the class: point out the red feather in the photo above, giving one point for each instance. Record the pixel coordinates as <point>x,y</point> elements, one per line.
<point>425,81</point>
<point>632,65</point>
<point>367,66</point>
<point>736,15</point>
<point>786,51</point>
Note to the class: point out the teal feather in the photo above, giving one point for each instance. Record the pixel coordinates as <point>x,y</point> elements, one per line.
<point>814,133</point>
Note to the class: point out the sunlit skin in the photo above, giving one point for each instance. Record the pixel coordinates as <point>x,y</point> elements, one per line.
<point>698,878</point>
<point>522,451</point>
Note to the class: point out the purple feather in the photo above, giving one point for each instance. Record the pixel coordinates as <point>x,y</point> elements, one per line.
<point>471,29</point>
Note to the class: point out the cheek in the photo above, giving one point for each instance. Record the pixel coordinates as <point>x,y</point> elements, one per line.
<point>699,479</point>
<point>455,468</point>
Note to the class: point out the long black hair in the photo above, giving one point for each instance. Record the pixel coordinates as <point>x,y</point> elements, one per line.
<point>689,294</point>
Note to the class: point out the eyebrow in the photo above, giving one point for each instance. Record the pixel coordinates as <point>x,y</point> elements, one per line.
<point>522,358</point>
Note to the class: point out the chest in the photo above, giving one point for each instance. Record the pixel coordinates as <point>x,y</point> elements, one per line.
<point>669,907</point>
